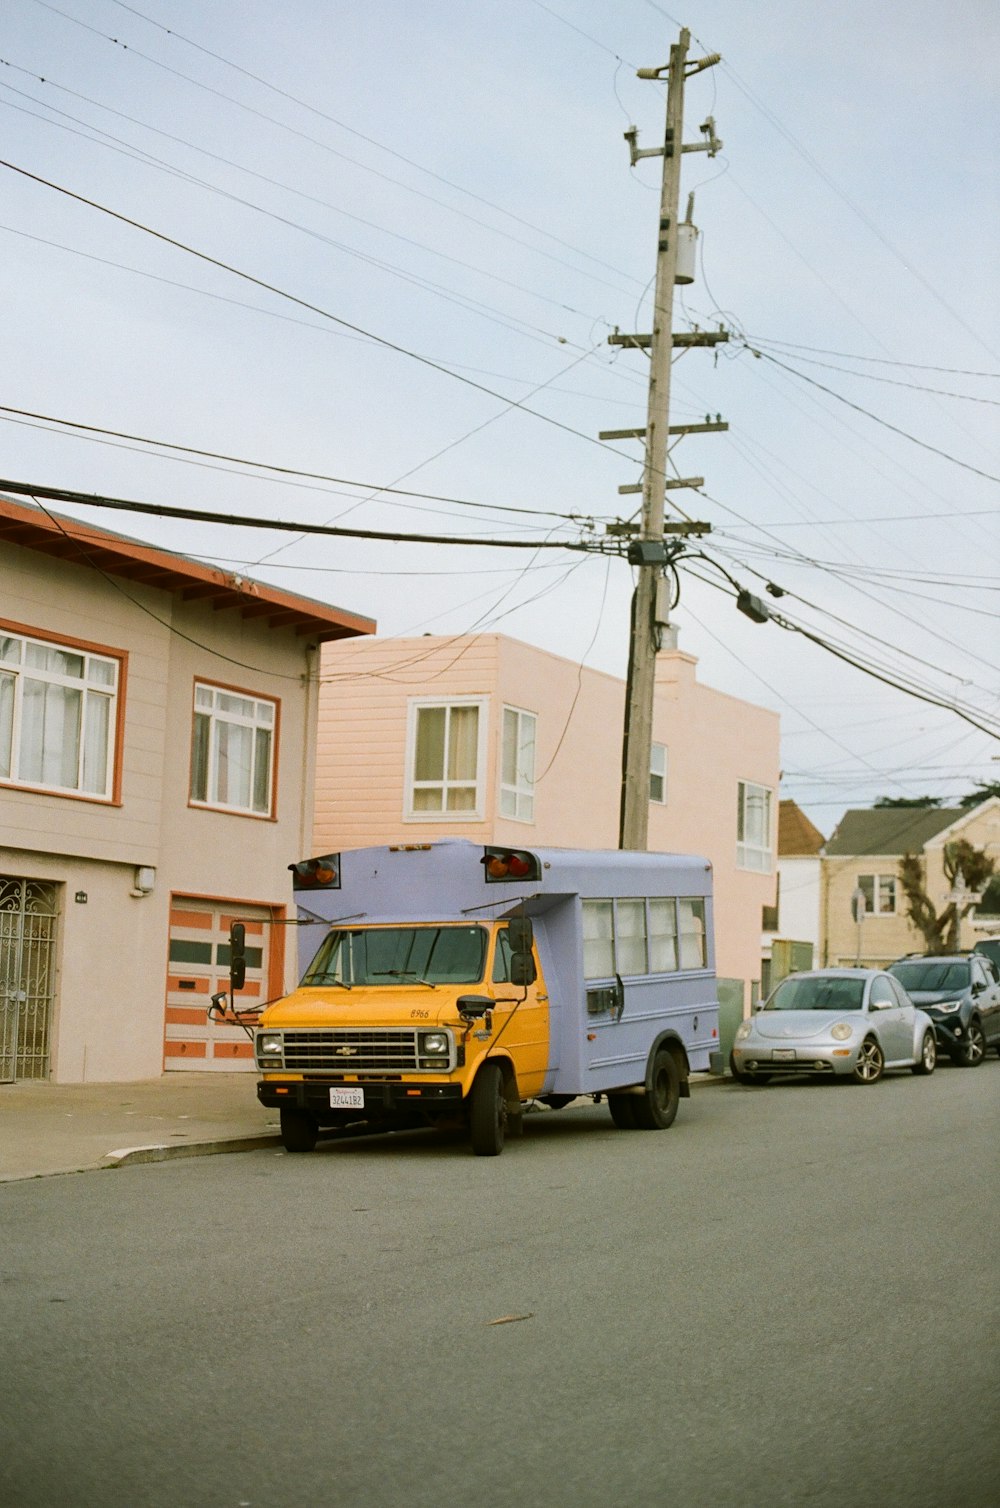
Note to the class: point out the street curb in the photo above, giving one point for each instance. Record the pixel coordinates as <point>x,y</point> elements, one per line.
<point>129,1156</point>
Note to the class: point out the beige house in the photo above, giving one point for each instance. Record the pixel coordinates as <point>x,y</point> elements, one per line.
<point>157,731</point>
<point>487,738</point>
<point>863,854</point>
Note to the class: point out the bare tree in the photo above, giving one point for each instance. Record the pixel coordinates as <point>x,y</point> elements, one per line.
<point>940,930</point>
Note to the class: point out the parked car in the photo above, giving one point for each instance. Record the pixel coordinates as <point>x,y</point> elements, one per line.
<point>961,994</point>
<point>834,1023</point>
<point>990,948</point>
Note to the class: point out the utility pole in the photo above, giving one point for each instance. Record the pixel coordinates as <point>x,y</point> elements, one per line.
<point>648,552</point>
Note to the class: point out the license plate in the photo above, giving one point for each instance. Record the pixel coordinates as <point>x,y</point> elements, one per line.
<point>784,1054</point>
<point>347,1099</point>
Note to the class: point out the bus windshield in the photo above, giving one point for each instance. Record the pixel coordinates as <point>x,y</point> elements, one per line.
<point>350,956</point>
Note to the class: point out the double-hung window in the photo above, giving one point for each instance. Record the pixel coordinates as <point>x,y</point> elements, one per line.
<point>754,848</point>
<point>658,774</point>
<point>232,750</point>
<point>58,716</point>
<point>517,765</point>
<point>879,891</point>
<point>445,759</point>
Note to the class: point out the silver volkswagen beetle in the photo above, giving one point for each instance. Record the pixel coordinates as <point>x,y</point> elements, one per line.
<point>846,1023</point>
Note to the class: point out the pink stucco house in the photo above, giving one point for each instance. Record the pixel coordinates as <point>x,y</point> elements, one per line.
<point>486,738</point>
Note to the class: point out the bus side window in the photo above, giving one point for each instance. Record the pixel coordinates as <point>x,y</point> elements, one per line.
<point>501,958</point>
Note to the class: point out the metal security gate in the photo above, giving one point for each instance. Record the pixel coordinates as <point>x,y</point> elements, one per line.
<point>28,911</point>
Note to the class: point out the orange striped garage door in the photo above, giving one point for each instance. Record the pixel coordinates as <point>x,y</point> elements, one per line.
<point>199,966</point>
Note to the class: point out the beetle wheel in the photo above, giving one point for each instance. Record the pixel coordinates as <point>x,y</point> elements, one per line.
<point>871,1062</point>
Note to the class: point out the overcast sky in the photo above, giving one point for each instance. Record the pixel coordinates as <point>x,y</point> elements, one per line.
<point>449,181</point>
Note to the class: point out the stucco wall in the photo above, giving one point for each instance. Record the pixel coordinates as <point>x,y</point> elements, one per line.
<point>713,742</point>
<point>112,949</point>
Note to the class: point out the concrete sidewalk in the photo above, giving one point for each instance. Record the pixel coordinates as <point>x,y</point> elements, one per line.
<point>74,1128</point>
<point>70,1128</point>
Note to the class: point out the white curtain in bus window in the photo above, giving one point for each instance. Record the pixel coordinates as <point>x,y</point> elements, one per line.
<point>662,936</point>
<point>691,911</point>
<point>630,937</point>
<point>598,940</point>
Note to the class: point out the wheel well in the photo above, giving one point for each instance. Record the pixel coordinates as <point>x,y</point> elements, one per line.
<point>672,1044</point>
<point>506,1068</point>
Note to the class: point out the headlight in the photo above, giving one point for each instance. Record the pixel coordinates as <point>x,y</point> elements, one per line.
<point>434,1044</point>
<point>743,1031</point>
<point>841,1032</point>
<point>269,1049</point>
<point>947,1005</point>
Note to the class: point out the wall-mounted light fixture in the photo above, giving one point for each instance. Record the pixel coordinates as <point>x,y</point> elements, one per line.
<point>145,880</point>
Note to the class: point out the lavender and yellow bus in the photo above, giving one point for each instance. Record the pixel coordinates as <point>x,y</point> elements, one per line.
<point>453,983</point>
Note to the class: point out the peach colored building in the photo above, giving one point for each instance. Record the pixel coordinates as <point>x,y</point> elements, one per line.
<point>487,738</point>
<point>157,731</point>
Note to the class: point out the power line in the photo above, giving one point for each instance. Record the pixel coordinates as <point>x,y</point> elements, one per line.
<point>246,521</point>
<point>317,309</point>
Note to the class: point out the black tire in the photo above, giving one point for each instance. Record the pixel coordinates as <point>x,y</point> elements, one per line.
<point>973,1049</point>
<point>488,1111</point>
<point>656,1109</point>
<point>622,1107</point>
<point>871,1063</point>
<point>298,1129</point>
<point>927,1061</point>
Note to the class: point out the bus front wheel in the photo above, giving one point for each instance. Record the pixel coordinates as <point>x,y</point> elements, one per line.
<point>656,1109</point>
<point>488,1111</point>
<point>298,1129</point>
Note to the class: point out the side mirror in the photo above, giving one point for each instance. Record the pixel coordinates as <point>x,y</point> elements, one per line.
<point>520,934</point>
<point>522,969</point>
<point>237,956</point>
<point>471,1007</point>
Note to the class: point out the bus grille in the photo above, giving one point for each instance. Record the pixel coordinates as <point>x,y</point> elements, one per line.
<point>348,1051</point>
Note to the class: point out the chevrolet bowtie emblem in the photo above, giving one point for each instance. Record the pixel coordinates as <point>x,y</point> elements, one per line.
<point>346,1052</point>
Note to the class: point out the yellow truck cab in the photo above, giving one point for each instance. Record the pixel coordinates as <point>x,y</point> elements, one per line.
<point>455,983</point>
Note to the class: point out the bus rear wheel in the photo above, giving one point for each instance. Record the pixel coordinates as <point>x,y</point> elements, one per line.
<point>622,1107</point>
<point>657,1108</point>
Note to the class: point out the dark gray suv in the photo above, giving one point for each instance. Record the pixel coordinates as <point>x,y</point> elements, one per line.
<point>961,994</point>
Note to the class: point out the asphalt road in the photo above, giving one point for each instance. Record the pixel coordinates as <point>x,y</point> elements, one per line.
<point>791,1297</point>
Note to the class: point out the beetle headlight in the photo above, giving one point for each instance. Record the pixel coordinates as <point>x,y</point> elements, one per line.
<point>842,1032</point>
<point>743,1031</point>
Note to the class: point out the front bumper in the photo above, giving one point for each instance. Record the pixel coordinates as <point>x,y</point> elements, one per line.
<point>385,1100</point>
<point>950,1031</point>
<point>824,1060</point>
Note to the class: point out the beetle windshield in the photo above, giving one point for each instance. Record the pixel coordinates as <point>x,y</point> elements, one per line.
<point>399,955</point>
<point>817,994</point>
<point>932,976</point>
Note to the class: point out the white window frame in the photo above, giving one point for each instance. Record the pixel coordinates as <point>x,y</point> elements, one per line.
<point>884,892</point>
<point>658,772</point>
<point>474,813</point>
<point>517,786</point>
<point>261,717</point>
<point>758,857</point>
<point>83,751</point>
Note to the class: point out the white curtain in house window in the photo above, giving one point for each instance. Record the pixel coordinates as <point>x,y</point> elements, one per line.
<point>753,828</point>
<point>58,708</point>
<point>517,768</point>
<point>232,750</point>
<point>446,759</point>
